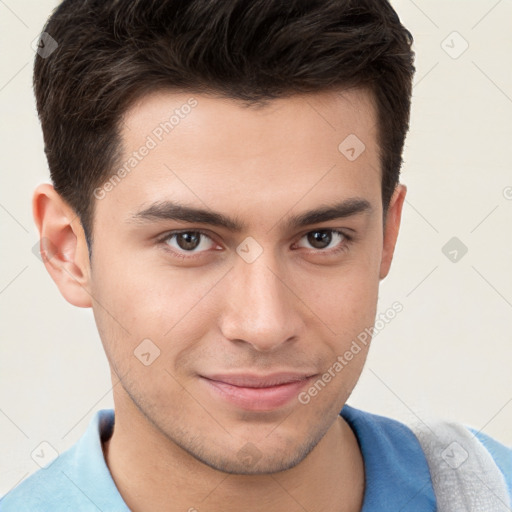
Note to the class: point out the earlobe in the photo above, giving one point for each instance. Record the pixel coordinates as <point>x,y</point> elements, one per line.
<point>391,228</point>
<point>62,244</point>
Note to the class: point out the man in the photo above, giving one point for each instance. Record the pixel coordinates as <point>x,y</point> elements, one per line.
<point>226,199</point>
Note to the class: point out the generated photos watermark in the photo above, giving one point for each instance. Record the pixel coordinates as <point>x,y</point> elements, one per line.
<point>156,136</point>
<point>362,340</point>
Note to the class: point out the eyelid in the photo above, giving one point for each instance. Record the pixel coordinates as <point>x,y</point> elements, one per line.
<point>169,234</point>
<point>347,239</point>
<point>343,231</point>
<point>162,242</point>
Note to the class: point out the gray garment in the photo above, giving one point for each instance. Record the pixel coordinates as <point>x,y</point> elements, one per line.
<point>464,475</point>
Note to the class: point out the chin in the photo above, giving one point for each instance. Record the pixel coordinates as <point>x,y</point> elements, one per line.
<point>255,458</point>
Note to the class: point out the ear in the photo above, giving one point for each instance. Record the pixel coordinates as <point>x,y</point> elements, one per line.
<point>62,244</point>
<point>391,228</point>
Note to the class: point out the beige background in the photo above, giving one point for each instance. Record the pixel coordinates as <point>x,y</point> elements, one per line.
<point>448,353</point>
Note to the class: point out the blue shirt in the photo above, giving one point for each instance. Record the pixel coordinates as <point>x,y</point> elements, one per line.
<point>396,471</point>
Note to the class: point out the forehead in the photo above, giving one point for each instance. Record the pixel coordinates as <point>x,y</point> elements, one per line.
<point>219,118</point>
<point>204,150</point>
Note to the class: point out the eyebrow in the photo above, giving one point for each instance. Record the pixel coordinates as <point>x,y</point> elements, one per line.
<point>170,210</point>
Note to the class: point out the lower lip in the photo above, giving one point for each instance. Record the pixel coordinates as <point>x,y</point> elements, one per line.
<point>257,399</point>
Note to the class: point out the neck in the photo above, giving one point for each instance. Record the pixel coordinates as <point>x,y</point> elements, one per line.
<point>154,474</point>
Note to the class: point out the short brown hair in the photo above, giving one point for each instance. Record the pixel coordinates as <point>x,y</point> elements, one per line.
<point>112,52</point>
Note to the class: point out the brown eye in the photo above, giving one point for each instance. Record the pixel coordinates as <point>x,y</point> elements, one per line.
<point>321,239</point>
<point>188,241</point>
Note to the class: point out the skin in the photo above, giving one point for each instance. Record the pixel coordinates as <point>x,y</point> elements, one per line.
<point>297,307</point>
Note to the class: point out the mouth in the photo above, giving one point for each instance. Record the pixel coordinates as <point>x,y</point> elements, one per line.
<point>257,392</point>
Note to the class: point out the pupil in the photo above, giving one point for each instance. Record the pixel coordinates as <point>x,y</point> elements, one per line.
<point>319,239</point>
<point>188,241</point>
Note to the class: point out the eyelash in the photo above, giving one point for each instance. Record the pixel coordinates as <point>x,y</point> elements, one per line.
<point>342,247</point>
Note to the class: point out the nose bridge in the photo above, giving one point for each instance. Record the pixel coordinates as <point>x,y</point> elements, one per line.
<point>261,309</point>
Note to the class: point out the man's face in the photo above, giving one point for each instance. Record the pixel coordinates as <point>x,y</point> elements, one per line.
<point>193,323</point>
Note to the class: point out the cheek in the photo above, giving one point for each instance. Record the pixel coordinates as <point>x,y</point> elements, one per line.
<point>343,297</point>
<point>349,309</point>
<point>140,294</point>
<point>140,301</point>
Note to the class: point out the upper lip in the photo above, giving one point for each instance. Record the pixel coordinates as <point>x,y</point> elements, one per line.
<point>247,380</point>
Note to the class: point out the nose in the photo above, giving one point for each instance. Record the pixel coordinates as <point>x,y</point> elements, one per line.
<point>260,308</point>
